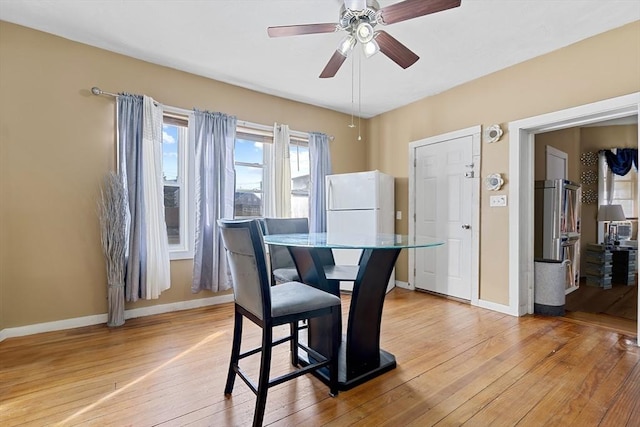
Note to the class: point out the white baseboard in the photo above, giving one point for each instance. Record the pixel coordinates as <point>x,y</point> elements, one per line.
<point>78,322</point>
<point>405,285</point>
<point>500,308</point>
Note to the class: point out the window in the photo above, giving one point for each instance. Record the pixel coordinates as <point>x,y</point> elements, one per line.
<point>300,183</point>
<point>175,161</point>
<point>252,149</point>
<point>253,169</point>
<point>625,189</point>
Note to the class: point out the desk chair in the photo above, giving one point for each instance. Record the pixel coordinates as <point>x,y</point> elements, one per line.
<point>267,307</point>
<point>283,268</point>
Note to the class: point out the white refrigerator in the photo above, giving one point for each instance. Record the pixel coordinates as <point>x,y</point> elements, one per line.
<point>359,203</point>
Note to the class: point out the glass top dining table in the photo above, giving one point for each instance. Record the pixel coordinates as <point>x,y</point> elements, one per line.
<point>352,241</point>
<point>361,357</point>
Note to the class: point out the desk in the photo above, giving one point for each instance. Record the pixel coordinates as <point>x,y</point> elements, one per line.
<point>361,357</point>
<point>606,265</point>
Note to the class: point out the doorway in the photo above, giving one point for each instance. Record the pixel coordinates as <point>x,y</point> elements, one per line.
<point>521,165</point>
<point>607,294</point>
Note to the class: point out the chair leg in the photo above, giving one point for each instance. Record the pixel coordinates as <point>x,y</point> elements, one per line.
<point>263,379</point>
<point>336,340</point>
<point>235,353</point>
<point>294,343</point>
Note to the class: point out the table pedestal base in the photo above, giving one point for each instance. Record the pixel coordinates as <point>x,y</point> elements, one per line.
<point>387,363</point>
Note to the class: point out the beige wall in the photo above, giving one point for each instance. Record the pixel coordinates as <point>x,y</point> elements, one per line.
<point>572,76</point>
<point>51,267</point>
<point>57,142</point>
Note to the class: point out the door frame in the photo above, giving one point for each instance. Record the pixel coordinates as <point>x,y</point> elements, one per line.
<point>475,133</point>
<point>521,169</point>
<point>552,151</point>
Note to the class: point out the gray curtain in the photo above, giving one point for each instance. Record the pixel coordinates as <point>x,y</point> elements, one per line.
<point>129,115</point>
<point>215,135</point>
<point>320,158</point>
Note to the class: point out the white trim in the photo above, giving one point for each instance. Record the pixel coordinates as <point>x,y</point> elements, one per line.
<point>475,132</point>
<point>500,308</point>
<point>79,322</point>
<point>186,181</point>
<point>404,285</point>
<point>521,163</point>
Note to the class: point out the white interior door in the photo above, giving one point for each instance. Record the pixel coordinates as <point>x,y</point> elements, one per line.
<point>556,163</point>
<point>443,210</point>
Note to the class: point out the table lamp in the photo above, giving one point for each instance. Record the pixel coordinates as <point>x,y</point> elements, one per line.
<point>610,213</point>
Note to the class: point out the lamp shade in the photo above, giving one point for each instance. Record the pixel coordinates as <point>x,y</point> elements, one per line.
<point>611,213</point>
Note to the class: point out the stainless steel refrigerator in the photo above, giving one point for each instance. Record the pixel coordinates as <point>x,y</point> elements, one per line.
<point>557,225</point>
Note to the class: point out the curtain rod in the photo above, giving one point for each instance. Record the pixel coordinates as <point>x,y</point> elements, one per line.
<point>97,91</point>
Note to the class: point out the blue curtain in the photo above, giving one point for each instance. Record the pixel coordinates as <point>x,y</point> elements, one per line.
<point>320,158</point>
<point>215,135</point>
<point>621,161</point>
<point>129,116</point>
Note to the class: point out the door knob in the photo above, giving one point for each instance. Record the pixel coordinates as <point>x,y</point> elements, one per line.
<point>466,227</point>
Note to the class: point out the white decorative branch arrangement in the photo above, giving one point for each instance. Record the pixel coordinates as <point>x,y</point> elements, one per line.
<point>112,211</point>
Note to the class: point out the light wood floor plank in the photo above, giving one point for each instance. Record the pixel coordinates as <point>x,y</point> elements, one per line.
<point>457,365</point>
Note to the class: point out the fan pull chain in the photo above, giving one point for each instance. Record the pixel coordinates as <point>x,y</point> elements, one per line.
<point>352,90</point>
<point>359,94</point>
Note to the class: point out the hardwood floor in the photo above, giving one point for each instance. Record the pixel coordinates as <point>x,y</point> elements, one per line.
<point>615,308</point>
<point>457,365</point>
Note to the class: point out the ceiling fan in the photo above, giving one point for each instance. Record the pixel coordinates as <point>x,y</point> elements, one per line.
<point>358,18</point>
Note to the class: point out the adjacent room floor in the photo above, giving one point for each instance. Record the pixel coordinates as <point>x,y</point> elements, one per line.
<point>616,308</point>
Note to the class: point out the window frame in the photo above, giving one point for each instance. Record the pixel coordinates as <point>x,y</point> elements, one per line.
<point>185,182</point>
<point>633,191</point>
<point>265,135</point>
<point>301,140</point>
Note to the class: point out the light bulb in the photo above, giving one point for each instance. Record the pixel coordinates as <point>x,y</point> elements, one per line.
<point>370,48</point>
<point>364,32</point>
<point>346,45</point>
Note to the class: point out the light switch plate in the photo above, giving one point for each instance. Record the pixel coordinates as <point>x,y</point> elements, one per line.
<point>398,215</point>
<point>498,201</point>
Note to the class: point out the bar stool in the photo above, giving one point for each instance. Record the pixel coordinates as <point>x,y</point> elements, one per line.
<point>267,307</point>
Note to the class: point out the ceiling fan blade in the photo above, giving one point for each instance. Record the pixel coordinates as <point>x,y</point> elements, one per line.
<point>396,51</point>
<point>297,30</point>
<point>355,4</point>
<point>333,65</point>
<point>410,9</point>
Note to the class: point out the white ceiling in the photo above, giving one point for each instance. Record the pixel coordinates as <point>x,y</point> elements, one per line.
<point>227,40</point>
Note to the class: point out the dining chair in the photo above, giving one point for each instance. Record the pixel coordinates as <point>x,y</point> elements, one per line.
<point>283,268</point>
<point>269,306</point>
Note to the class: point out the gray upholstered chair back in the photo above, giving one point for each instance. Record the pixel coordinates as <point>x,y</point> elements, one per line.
<point>245,253</point>
<point>279,255</point>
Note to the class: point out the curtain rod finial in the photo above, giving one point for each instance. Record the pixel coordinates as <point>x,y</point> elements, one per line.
<point>96,91</point>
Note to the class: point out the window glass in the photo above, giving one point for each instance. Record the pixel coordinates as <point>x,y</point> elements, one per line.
<point>249,159</point>
<point>300,184</point>
<point>254,173</point>
<point>174,139</point>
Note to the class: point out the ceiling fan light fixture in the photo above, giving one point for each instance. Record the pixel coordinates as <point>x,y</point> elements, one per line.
<point>370,48</point>
<point>346,45</point>
<point>364,32</point>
